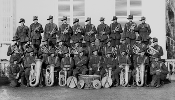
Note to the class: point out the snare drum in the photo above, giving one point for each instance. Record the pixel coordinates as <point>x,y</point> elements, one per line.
<point>88,80</point>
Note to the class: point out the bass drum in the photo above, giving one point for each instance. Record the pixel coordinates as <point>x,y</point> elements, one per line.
<point>72,82</point>
<point>106,82</point>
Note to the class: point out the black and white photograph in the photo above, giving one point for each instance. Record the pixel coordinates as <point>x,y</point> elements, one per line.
<point>87,49</point>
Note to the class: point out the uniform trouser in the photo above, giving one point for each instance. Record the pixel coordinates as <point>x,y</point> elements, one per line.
<point>115,42</point>
<point>27,74</point>
<point>117,75</point>
<point>157,78</point>
<point>80,70</point>
<point>95,71</point>
<point>130,41</point>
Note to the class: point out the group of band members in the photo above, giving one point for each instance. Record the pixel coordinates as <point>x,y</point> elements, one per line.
<point>86,48</point>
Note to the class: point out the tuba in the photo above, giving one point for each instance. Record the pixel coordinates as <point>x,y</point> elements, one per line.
<point>136,49</point>
<point>140,75</point>
<point>63,76</point>
<point>49,79</point>
<point>124,74</point>
<point>152,51</point>
<point>35,71</point>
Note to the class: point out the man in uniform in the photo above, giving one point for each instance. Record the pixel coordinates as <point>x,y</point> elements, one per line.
<point>77,32</point>
<point>59,49</point>
<point>144,31</point>
<point>15,69</point>
<point>124,47</point>
<point>27,64</point>
<point>159,71</point>
<point>121,59</point>
<point>80,64</point>
<point>51,31</point>
<point>92,47</point>
<point>130,31</point>
<point>138,60</point>
<point>23,33</point>
<point>35,33</point>
<point>95,62</point>
<point>116,30</point>
<point>67,62</point>
<point>102,32</point>
<point>90,31</point>
<point>76,48</point>
<point>65,31</point>
<point>107,48</point>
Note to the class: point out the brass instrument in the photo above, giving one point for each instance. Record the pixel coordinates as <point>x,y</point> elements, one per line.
<point>63,75</point>
<point>66,30</point>
<point>124,74</point>
<point>151,50</point>
<point>107,80</point>
<point>15,48</point>
<point>98,66</point>
<point>136,49</point>
<point>44,49</point>
<point>131,29</point>
<point>37,28</point>
<point>77,30</point>
<point>53,30</point>
<point>91,31</point>
<point>116,28</point>
<point>58,50</point>
<point>140,75</point>
<point>35,71</point>
<point>49,78</point>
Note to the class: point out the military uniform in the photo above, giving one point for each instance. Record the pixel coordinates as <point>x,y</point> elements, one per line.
<point>59,50</point>
<point>76,49</point>
<point>124,47</point>
<point>67,61</point>
<point>116,30</point>
<point>102,32</point>
<point>92,47</point>
<point>90,31</point>
<point>144,31</point>
<point>159,71</point>
<point>121,59</point>
<point>129,31</point>
<point>107,48</point>
<point>65,31</point>
<point>23,33</point>
<point>80,64</point>
<point>50,31</point>
<point>35,33</point>
<point>138,60</point>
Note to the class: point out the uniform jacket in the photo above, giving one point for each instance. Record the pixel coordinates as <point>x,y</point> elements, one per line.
<point>50,27</point>
<point>35,31</point>
<point>88,28</point>
<point>53,60</point>
<point>94,60</point>
<point>109,62</point>
<point>67,61</point>
<point>103,28</point>
<point>123,60</point>
<point>144,31</point>
<point>158,66</point>
<point>115,34</point>
<point>130,33</point>
<point>140,59</point>
<point>80,61</point>
<point>28,61</point>
<point>23,33</point>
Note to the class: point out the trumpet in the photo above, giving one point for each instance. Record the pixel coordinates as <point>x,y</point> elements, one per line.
<point>140,74</point>
<point>124,74</point>
<point>151,50</point>
<point>136,49</point>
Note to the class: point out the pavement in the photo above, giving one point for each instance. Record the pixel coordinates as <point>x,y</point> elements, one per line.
<point>166,92</point>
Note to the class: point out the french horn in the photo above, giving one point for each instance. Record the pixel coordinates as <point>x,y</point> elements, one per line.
<point>35,71</point>
<point>49,78</point>
<point>124,74</point>
<point>140,72</point>
<point>151,50</point>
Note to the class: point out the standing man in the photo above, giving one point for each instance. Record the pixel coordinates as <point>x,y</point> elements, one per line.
<point>90,32</point>
<point>102,32</point>
<point>144,31</point>
<point>116,30</point>
<point>65,31</point>
<point>130,31</point>
<point>51,31</point>
<point>35,33</point>
<point>23,33</point>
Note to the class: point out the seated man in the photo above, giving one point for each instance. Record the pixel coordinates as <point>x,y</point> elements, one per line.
<point>80,64</point>
<point>159,71</point>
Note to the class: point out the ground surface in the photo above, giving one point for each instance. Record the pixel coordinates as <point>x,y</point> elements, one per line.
<point>166,92</point>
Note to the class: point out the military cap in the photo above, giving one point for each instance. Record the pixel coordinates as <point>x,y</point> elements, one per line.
<point>22,20</point>
<point>142,18</point>
<point>114,18</point>
<point>50,17</point>
<point>64,18</point>
<point>88,19</point>
<point>15,38</point>
<point>155,39</point>
<point>35,18</point>
<point>130,17</point>
<point>102,19</point>
<point>76,20</point>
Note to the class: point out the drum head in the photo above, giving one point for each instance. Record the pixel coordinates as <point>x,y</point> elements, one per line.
<point>106,82</point>
<point>72,82</point>
<point>96,84</point>
<point>80,84</point>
